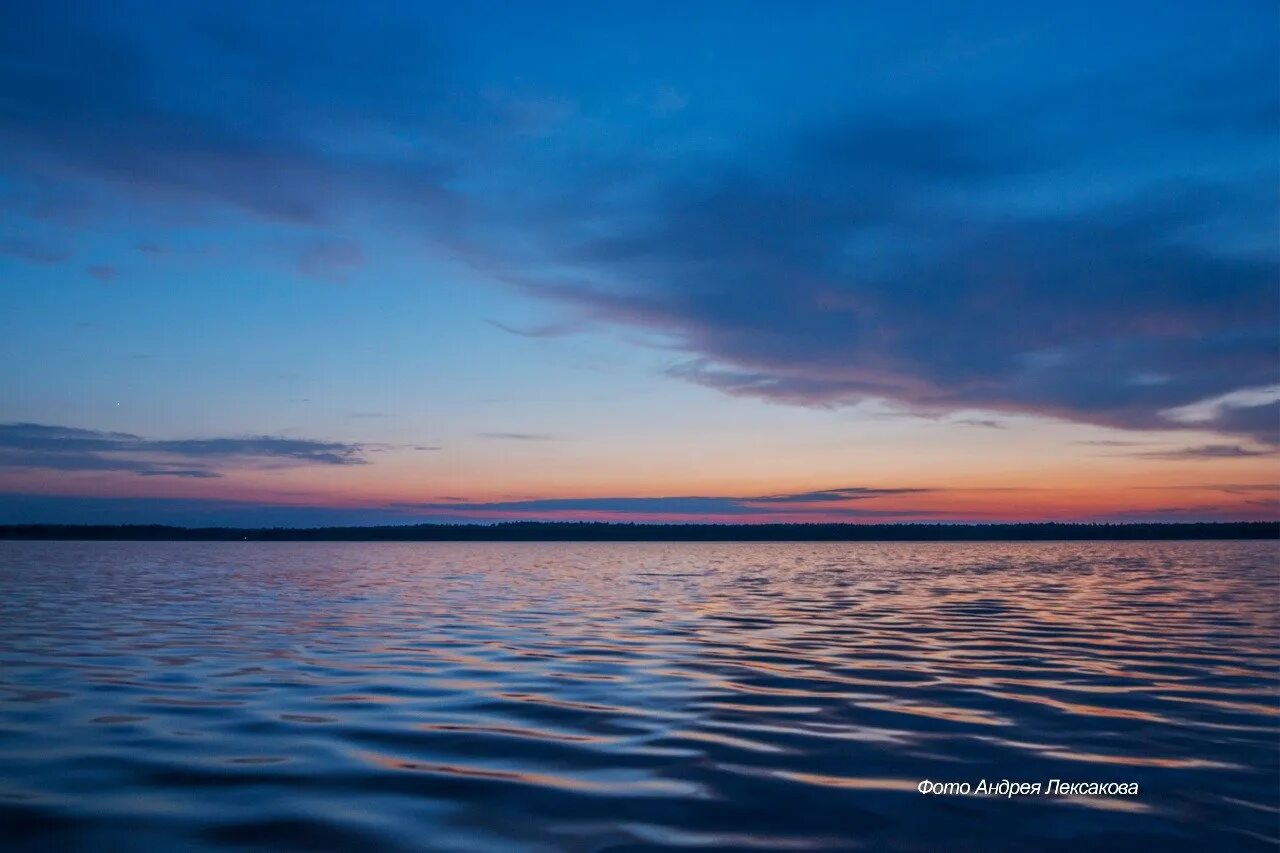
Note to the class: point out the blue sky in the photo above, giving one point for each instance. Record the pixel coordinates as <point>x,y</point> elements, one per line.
<point>520,253</point>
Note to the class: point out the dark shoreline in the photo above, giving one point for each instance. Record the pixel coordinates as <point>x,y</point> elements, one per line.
<point>540,531</point>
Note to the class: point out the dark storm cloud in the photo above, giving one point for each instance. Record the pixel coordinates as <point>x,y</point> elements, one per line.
<point>60,448</point>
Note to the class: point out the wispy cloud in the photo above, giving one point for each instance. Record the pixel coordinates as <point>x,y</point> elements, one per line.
<point>1226,488</point>
<point>1249,411</point>
<point>1208,451</point>
<point>518,436</point>
<point>1214,408</point>
<point>62,448</point>
<point>1247,488</point>
<point>20,508</point>
<point>1263,509</point>
<point>847,493</point>
<point>834,502</point>
<point>545,330</point>
<point>1110,442</point>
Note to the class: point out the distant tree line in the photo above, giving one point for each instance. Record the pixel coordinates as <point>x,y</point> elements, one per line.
<point>593,531</point>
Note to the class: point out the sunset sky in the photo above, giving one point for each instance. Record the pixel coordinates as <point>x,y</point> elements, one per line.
<point>314,263</point>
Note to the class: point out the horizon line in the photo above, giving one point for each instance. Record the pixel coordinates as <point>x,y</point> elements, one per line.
<point>619,531</point>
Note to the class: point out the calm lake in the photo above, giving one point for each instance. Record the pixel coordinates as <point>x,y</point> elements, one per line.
<point>562,696</point>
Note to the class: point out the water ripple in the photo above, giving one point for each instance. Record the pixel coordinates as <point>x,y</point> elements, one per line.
<point>551,696</point>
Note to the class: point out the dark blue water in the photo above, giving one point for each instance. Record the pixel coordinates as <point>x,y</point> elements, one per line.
<point>632,696</point>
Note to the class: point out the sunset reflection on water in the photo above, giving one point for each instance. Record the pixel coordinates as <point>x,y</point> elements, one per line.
<point>581,696</point>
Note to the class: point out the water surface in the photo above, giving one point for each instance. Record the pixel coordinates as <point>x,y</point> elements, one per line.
<point>561,696</point>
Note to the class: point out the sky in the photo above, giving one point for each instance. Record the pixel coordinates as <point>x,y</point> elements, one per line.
<point>335,263</point>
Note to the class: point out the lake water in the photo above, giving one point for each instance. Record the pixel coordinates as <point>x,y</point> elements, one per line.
<point>562,696</point>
